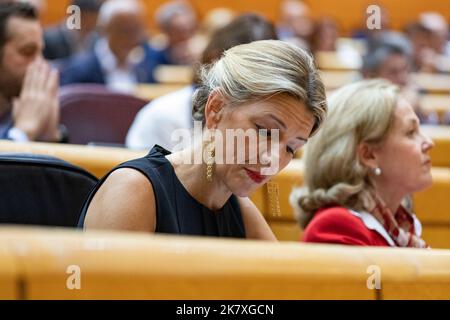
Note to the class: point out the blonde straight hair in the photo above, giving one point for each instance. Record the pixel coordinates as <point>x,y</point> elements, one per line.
<point>259,70</point>
<point>359,112</point>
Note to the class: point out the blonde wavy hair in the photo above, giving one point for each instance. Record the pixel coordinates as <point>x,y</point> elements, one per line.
<point>359,112</point>
<point>258,70</point>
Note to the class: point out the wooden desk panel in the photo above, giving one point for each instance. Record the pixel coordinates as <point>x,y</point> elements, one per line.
<point>96,160</point>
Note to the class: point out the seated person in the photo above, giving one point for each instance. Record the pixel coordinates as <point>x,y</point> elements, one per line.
<point>296,24</point>
<point>269,89</point>
<point>121,58</point>
<point>367,159</point>
<point>29,106</point>
<point>324,35</point>
<point>175,109</point>
<point>440,32</point>
<point>391,59</point>
<point>178,22</point>
<point>429,39</point>
<point>62,42</point>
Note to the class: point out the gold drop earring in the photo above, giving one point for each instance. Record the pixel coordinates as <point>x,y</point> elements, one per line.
<point>274,199</point>
<point>210,163</point>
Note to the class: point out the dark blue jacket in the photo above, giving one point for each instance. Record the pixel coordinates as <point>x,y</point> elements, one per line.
<point>86,68</point>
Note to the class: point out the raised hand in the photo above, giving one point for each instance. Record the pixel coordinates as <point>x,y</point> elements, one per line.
<point>36,111</point>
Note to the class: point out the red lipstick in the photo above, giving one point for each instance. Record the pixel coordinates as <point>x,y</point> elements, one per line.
<point>255,176</point>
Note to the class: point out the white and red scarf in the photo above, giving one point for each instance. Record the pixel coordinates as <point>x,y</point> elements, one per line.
<point>400,226</point>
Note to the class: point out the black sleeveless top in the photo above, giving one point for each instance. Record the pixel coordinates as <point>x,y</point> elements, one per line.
<point>176,210</point>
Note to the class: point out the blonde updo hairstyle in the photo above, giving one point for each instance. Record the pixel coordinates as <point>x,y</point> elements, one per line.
<point>259,70</point>
<point>362,112</point>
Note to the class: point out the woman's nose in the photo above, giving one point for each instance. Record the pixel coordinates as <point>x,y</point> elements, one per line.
<point>428,142</point>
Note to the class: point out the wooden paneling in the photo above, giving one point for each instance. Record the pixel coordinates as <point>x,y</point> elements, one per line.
<point>153,91</point>
<point>116,265</point>
<point>9,279</point>
<point>139,266</point>
<point>413,273</point>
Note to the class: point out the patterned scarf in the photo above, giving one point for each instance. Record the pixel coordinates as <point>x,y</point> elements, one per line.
<point>399,226</point>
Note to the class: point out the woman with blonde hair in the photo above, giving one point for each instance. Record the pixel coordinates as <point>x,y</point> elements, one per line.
<point>361,167</point>
<point>262,87</point>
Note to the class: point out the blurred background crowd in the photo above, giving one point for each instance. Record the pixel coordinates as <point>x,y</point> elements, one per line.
<point>122,44</point>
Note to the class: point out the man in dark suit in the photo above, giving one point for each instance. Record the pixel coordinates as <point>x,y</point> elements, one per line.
<point>62,42</point>
<point>121,57</point>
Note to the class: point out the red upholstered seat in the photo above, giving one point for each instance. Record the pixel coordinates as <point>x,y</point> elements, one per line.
<point>94,114</point>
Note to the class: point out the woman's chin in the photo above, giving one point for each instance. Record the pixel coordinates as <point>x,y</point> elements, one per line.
<point>246,191</point>
<point>427,182</point>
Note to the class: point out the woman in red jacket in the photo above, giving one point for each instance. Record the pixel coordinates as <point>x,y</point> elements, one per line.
<point>361,168</point>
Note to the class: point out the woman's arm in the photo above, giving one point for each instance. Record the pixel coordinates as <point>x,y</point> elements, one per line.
<point>125,201</point>
<point>255,225</point>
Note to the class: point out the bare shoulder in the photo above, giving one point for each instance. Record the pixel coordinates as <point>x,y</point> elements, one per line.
<point>256,226</point>
<point>125,201</point>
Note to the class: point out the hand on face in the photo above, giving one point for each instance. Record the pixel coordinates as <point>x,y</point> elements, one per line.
<point>36,111</point>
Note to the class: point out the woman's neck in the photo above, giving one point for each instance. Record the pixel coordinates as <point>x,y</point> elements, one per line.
<point>392,198</point>
<point>212,194</point>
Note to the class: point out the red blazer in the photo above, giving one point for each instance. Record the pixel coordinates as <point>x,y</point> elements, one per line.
<point>339,226</point>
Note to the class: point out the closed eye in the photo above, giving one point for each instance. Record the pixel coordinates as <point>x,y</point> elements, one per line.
<point>263,131</point>
<point>412,132</point>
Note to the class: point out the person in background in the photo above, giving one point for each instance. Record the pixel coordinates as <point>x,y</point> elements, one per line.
<point>439,28</point>
<point>29,106</point>
<point>360,169</point>
<point>296,25</point>
<point>391,60</point>
<point>174,110</point>
<point>62,42</point>
<point>429,39</point>
<point>178,22</point>
<point>216,19</point>
<point>39,5</point>
<point>324,40</point>
<point>121,57</point>
<point>324,35</point>
<point>259,87</point>
<point>213,20</point>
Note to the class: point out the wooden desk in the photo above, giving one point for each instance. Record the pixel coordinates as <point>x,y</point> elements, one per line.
<point>8,275</point>
<point>141,266</point>
<point>439,103</point>
<point>336,79</point>
<point>96,160</point>
<point>432,83</point>
<point>334,61</point>
<point>170,74</point>
<point>153,91</point>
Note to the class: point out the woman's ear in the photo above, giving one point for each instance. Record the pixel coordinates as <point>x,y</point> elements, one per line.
<point>367,155</point>
<point>214,109</point>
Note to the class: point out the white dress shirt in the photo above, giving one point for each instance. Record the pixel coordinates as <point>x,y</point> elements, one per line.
<point>118,79</point>
<point>155,123</point>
